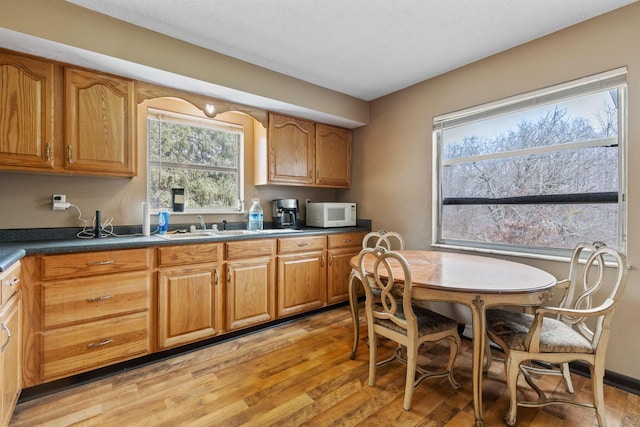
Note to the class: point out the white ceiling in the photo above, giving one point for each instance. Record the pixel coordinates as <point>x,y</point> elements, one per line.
<point>363,48</point>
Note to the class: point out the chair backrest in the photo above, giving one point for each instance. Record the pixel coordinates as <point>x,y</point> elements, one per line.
<point>573,281</point>
<point>598,288</point>
<point>387,239</point>
<point>390,274</point>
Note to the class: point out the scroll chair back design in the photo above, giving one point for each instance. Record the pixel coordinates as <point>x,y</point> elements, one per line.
<point>391,314</point>
<point>387,239</point>
<point>569,287</point>
<point>578,331</point>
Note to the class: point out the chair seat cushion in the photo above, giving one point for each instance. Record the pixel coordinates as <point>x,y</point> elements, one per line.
<point>429,322</point>
<point>555,337</point>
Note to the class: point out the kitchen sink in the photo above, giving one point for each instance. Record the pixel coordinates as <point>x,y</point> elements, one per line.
<point>184,236</point>
<point>232,232</point>
<point>221,233</point>
<point>279,230</point>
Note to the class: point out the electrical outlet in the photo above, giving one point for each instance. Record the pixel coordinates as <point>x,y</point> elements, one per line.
<point>59,202</point>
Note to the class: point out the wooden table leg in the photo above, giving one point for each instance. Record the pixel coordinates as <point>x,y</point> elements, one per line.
<point>478,314</point>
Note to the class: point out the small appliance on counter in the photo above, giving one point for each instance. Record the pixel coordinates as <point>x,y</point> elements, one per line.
<point>285,213</point>
<point>331,214</point>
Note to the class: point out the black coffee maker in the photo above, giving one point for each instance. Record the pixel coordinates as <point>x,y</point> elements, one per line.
<point>285,213</point>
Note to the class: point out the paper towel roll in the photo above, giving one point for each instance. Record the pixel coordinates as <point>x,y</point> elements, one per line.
<point>146,220</point>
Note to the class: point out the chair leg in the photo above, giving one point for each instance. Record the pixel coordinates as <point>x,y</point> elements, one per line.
<point>488,357</point>
<point>512,370</point>
<point>412,362</point>
<point>566,374</point>
<point>454,346</point>
<point>373,346</point>
<point>355,316</point>
<point>597,377</point>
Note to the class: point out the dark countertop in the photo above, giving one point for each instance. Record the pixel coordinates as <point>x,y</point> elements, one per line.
<point>12,251</point>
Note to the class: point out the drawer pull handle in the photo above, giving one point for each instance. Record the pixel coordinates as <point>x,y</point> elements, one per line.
<point>100,262</point>
<point>346,240</point>
<point>6,343</point>
<point>99,344</point>
<point>303,244</point>
<point>102,298</point>
<point>14,282</point>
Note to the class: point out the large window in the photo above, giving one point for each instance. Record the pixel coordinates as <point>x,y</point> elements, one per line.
<point>535,173</point>
<point>203,156</point>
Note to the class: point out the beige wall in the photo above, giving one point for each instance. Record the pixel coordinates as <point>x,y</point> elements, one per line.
<point>399,138</point>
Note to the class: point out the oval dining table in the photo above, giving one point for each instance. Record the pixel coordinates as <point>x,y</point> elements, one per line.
<point>477,282</point>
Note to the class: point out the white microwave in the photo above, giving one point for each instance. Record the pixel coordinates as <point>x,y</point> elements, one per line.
<point>331,214</point>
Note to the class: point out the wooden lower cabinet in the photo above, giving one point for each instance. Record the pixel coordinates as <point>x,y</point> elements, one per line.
<point>94,311</point>
<point>189,294</point>
<point>10,342</point>
<point>250,273</point>
<point>189,306</point>
<point>342,247</point>
<point>301,274</point>
<point>79,348</point>
<point>88,310</point>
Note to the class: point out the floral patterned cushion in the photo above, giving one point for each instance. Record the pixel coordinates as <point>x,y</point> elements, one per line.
<point>555,337</point>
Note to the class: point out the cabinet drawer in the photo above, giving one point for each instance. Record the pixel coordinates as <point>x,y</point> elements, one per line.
<point>301,244</point>
<point>79,348</point>
<point>10,280</point>
<point>77,300</point>
<point>90,263</point>
<point>344,240</point>
<point>249,248</point>
<point>187,254</point>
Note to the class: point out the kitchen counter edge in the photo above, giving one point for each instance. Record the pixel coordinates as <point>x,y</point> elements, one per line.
<point>11,252</point>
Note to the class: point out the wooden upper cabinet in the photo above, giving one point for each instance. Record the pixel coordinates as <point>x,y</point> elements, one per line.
<point>99,123</point>
<point>333,156</point>
<point>301,152</point>
<point>27,135</point>
<point>291,150</point>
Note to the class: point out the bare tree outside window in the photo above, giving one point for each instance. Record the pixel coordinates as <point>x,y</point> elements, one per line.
<point>543,177</point>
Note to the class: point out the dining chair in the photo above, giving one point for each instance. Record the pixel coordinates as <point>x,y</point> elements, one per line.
<point>387,239</point>
<point>576,331</point>
<point>392,315</point>
<point>568,287</point>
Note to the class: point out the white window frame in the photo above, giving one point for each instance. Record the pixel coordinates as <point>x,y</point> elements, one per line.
<point>613,79</point>
<point>187,119</point>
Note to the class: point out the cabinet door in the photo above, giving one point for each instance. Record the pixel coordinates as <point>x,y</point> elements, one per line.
<point>333,156</point>
<point>250,292</point>
<point>188,305</point>
<point>26,103</point>
<point>301,280</point>
<point>338,272</point>
<point>291,150</point>
<point>99,123</point>
<point>10,357</point>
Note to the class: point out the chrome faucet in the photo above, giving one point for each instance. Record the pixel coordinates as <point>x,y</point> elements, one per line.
<point>202,224</point>
<point>224,224</point>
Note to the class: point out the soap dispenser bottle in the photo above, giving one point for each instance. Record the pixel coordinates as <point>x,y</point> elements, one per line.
<point>256,216</point>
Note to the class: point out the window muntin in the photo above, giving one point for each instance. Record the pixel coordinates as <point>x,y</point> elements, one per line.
<point>535,173</point>
<point>204,156</point>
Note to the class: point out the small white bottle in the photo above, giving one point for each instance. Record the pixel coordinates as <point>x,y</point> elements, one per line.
<point>256,216</point>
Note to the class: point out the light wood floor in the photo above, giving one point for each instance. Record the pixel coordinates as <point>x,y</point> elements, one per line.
<point>300,374</point>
